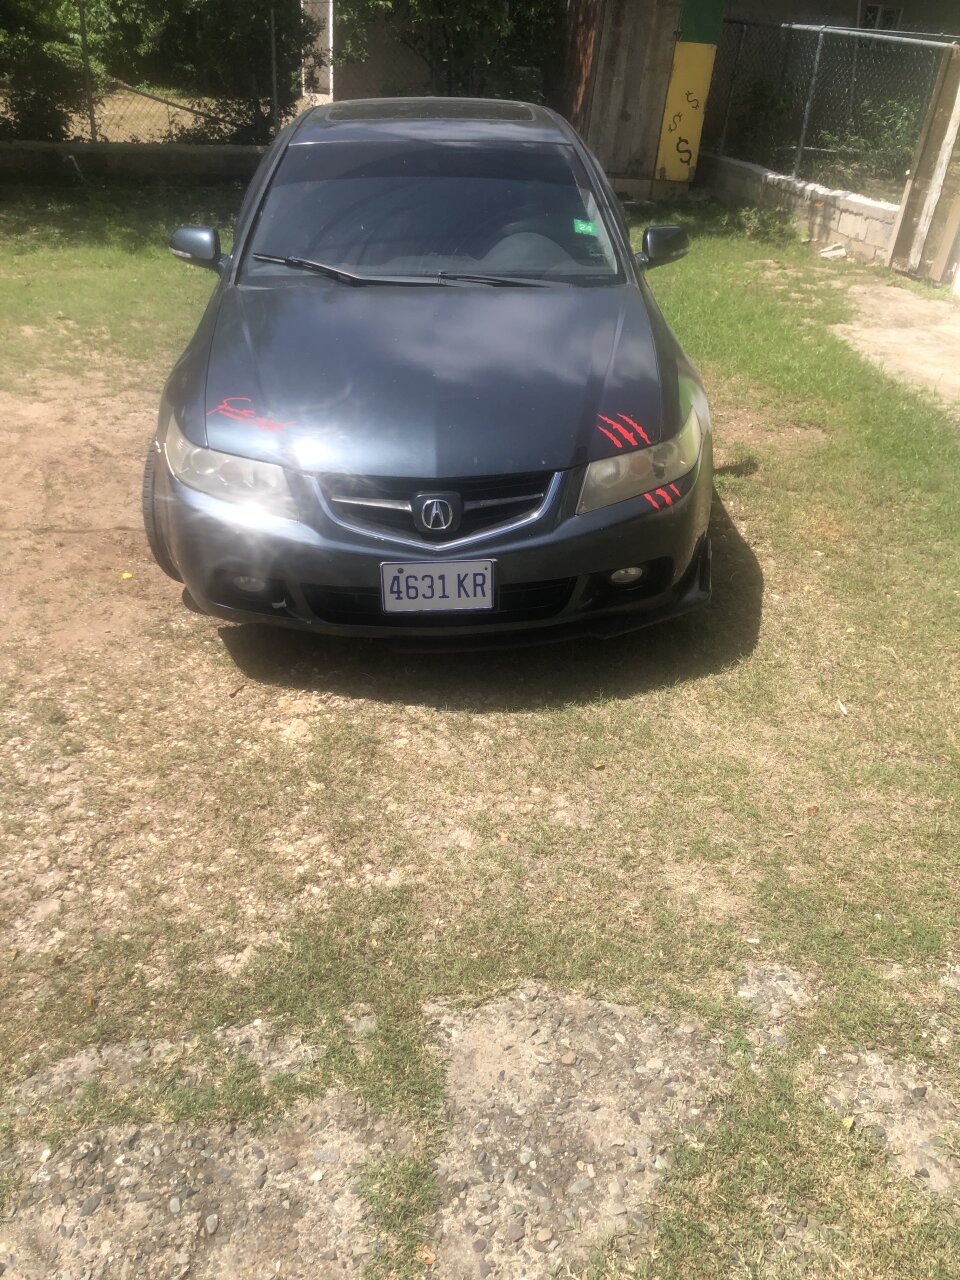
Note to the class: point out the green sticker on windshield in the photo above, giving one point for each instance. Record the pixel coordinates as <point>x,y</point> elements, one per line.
<point>583,228</point>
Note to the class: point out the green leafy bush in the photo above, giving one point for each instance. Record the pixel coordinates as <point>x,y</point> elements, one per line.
<point>217,54</point>
<point>759,129</point>
<point>44,81</point>
<point>767,226</point>
<point>875,150</point>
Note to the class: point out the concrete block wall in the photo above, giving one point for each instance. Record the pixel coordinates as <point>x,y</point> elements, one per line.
<point>863,226</point>
<point>164,161</point>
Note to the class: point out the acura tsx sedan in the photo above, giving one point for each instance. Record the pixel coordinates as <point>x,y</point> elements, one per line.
<point>432,394</point>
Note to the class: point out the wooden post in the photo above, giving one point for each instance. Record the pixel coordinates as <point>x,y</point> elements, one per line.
<point>688,89</point>
<point>929,192</point>
<point>948,243</point>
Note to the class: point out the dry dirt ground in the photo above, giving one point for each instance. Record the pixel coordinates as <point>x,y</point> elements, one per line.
<point>909,335</point>
<point>563,1113</point>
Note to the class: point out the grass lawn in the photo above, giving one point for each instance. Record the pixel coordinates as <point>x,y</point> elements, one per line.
<point>233,824</point>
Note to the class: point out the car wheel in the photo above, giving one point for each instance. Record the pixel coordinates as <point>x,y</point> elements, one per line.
<point>157,545</point>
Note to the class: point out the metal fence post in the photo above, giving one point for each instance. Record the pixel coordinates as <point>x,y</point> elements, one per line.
<point>733,85</point>
<point>853,82</point>
<point>811,92</point>
<point>87,81</point>
<point>273,69</point>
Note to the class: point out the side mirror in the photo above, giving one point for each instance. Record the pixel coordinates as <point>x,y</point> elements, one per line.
<point>199,245</point>
<point>662,245</point>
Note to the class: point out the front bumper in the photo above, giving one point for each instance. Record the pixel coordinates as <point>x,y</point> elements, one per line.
<point>551,576</point>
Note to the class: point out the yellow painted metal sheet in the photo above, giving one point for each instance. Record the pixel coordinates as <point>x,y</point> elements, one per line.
<point>683,114</point>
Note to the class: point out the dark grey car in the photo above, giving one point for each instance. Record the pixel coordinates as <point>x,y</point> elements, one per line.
<point>432,394</point>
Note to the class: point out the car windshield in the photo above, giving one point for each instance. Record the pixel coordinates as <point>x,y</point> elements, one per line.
<point>416,209</point>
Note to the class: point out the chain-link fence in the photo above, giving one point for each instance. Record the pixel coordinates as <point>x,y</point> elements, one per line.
<point>121,112</point>
<point>83,70</point>
<point>73,73</point>
<point>216,71</point>
<point>832,105</point>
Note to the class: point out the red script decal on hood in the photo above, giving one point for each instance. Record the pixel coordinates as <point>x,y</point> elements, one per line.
<point>233,407</point>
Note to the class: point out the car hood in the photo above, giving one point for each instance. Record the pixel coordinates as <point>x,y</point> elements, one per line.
<point>447,381</point>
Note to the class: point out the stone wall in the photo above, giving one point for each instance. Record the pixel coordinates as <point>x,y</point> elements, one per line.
<point>864,227</point>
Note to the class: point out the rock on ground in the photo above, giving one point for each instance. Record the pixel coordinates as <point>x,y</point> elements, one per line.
<point>775,993</point>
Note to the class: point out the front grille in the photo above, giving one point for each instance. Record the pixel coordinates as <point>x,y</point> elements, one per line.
<point>517,602</point>
<point>386,505</point>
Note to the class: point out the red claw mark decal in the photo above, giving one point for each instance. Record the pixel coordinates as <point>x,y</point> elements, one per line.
<point>660,499</point>
<point>627,435</point>
<point>609,434</point>
<point>240,409</point>
<point>636,426</point>
<point>630,432</point>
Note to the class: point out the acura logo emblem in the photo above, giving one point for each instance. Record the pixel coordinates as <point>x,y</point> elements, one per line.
<point>436,513</point>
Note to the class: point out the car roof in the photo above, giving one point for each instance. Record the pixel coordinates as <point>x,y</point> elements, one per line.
<point>431,119</point>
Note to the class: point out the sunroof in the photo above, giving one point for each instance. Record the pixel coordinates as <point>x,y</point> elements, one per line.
<point>429,109</point>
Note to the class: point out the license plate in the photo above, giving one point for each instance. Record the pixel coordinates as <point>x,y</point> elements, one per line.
<point>437,587</point>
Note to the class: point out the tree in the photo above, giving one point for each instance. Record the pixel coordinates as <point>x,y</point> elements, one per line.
<point>494,48</point>
<point>42,69</point>
<point>218,53</point>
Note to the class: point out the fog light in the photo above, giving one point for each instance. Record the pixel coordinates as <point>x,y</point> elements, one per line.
<point>624,577</point>
<point>250,585</point>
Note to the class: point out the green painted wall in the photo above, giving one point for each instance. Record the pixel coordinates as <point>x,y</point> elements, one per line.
<point>700,21</point>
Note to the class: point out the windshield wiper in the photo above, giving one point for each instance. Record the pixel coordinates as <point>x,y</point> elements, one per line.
<point>439,277</point>
<point>509,282</point>
<point>338,273</point>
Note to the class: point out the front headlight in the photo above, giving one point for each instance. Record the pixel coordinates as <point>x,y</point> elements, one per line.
<point>260,485</point>
<point>612,480</point>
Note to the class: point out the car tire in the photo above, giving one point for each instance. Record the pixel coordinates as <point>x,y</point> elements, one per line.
<point>148,496</point>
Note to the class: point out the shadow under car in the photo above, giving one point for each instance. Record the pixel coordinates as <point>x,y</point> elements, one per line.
<point>549,674</point>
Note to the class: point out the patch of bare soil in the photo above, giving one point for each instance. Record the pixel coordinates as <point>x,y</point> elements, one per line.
<point>76,567</point>
<point>915,1120</point>
<point>171,1200</point>
<point>162,1202</point>
<point>741,424</point>
<point>126,1065</point>
<point>564,1112</point>
<point>909,336</point>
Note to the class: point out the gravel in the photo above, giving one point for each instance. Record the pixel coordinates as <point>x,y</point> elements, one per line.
<point>571,1136</point>
<point>563,1114</point>
<point>163,1201</point>
<point>913,1121</point>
